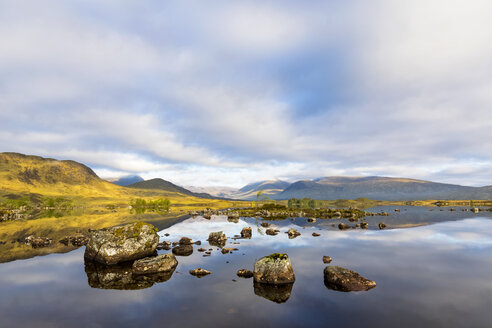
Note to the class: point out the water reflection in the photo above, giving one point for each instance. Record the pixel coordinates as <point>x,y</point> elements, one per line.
<point>119,276</point>
<point>275,293</point>
<point>435,275</point>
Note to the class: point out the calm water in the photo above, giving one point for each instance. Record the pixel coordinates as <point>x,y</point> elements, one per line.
<point>436,275</point>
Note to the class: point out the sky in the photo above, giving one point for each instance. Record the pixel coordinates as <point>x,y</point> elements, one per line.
<point>223,93</point>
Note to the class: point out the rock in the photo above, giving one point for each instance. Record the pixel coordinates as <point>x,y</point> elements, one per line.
<point>265,224</point>
<point>122,243</point>
<point>198,242</point>
<point>201,249</point>
<point>293,233</point>
<point>271,232</point>
<point>311,220</point>
<point>345,280</point>
<point>274,269</point>
<point>246,232</point>
<point>326,259</point>
<point>156,264</point>
<point>382,225</point>
<point>275,293</point>
<point>364,225</point>
<point>315,234</point>
<point>343,226</point>
<point>185,241</point>
<point>217,239</point>
<point>199,272</point>
<point>37,242</point>
<point>183,250</point>
<point>475,210</point>
<point>244,273</point>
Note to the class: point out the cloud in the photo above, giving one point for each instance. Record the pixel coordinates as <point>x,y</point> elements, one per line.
<point>221,93</point>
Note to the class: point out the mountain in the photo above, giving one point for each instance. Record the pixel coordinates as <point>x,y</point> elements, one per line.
<point>380,188</point>
<point>269,188</point>
<point>161,184</point>
<point>217,191</point>
<point>127,180</point>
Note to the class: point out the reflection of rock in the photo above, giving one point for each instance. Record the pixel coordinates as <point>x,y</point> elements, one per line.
<point>217,239</point>
<point>293,233</point>
<point>345,280</point>
<point>274,269</point>
<point>37,242</point>
<point>119,276</point>
<point>183,250</point>
<point>122,243</point>
<point>246,232</point>
<point>156,264</point>
<point>272,292</point>
<point>77,240</point>
<point>234,219</point>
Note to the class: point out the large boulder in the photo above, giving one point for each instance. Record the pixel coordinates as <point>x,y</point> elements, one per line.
<point>156,264</point>
<point>274,269</point>
<point>122,243</point>
<point>345,280</point>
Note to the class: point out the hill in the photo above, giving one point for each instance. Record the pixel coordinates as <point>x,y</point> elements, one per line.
<point>270,188</point>
<point>161,184</point>
<point>36,178</point>
<point>380,188</point>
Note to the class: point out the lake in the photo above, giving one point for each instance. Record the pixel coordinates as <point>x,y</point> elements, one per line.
<point>433,273</point>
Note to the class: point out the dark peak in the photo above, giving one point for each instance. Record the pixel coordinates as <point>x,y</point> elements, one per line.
<point>128,180</point>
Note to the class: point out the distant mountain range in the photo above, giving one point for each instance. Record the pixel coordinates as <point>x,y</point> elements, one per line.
<point>374,187</point>
<point>127,180</point>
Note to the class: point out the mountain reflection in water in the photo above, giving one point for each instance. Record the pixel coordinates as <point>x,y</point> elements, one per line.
<point>433,275</point>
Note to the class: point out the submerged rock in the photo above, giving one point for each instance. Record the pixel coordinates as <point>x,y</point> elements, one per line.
<point>157,264</point>
<point>217,239</point>
<point>122,243</point>
<point>183,250</point>
<point>199,272</point>
<point>246,232</point>
<point>244,273</point>
<point>345,280</point>
<point>274,269</point>
<point>273,292</point>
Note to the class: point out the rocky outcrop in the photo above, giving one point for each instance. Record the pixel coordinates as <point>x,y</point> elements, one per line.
<point>275,293</point>
<point>156,264</point>
<point>246,232</point>
<point>217,239</point>
<point>122,243</point>
<point>199,272</point>
<point>274,269</point>
<point>345,280</point>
